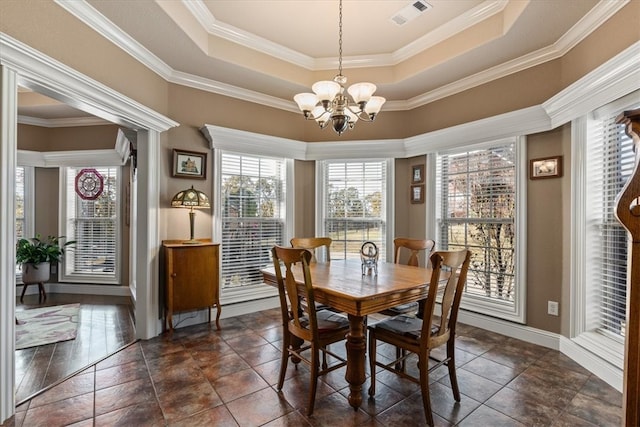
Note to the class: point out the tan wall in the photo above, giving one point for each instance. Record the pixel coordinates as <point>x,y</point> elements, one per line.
<point>546,202</point>
<point>36,138</point>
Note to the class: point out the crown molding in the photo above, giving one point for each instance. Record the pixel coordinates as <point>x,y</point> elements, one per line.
<point>219,88</point>
<point>78,158</point>
<point>86,13</point>
<point>244,38</point>
<point>107,29</point>
<point>62,123</point>
<point>52,78</point>
<point>615,78</point>
<point>253,143</point>
<point>117,156</point>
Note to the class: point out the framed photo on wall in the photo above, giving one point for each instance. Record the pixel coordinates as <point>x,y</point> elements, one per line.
<point>417,193</point>
<point>548,167</point>
<point>417,174</point>
<point>189,164</point>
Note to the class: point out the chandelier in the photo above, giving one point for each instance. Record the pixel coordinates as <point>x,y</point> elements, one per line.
<point>329,104</point>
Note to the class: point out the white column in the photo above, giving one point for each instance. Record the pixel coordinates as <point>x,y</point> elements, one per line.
<point>147,232</point>
<point>8,127</point>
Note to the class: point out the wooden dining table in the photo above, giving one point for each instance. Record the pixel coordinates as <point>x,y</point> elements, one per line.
<point>342,286</point>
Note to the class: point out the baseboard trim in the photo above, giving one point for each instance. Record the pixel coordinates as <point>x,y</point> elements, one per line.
<point>510,329</point>
<point>610,374</point>
<point>594,364</point>
<point>190,318</point>
<point>81,289</point>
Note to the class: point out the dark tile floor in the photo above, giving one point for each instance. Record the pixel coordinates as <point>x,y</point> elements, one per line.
<point>105,325</point>
<point>202,377</point>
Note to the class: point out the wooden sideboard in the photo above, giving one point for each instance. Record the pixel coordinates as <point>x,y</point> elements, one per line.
<point>191,278</point>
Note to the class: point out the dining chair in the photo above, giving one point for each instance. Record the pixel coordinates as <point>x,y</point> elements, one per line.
<point>402,245</point>
<point>313,244</point>
<point>305,328</point>
<point>421,336</point>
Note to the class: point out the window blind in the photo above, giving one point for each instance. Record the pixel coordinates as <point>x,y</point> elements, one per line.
<point>253,216</point>
<point>610,161</point>
<point>20,202</point>
<point>20,208</point>
<point>355,206</point>
<point>94,225</point>
<point>476,196</point>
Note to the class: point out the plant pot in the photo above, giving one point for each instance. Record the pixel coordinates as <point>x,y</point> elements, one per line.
<point>35,273</point>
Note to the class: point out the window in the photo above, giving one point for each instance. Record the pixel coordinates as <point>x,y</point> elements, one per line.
<point>603,162</point>
<point>24,204</point>
<point>253,212</point>
<point>354,204</point>
<point>476,208</point>
<point>95,226</point>
<point>610,163</point>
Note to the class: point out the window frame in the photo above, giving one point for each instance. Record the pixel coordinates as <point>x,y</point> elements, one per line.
<point>321,195</point>
<point>28,226</point>
<point>64,219</point>
<point>583,334</point>
<point>517,311</point>
<point>250,292</point>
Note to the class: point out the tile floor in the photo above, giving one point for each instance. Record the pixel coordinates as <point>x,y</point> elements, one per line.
<point>106,325</point>
<point>202,377</point>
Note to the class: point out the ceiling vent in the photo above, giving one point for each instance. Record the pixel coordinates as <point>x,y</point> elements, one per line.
<point>410,12</point>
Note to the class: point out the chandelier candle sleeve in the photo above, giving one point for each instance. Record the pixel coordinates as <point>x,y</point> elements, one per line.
<point>329,104</point>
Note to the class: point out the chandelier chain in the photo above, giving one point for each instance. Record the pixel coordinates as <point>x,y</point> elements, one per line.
<point>340,41</point>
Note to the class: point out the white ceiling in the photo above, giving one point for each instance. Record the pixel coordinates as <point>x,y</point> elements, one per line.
<point>267,51</point>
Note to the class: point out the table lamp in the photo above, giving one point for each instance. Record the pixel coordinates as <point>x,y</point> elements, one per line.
<point>192,199</point>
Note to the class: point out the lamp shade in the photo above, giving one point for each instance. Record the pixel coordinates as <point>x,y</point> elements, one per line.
<point>190,198</point>
<point>193,199</point>
<point>361,92</point>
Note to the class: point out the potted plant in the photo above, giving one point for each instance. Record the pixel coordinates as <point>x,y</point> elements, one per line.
<point>36,255</point>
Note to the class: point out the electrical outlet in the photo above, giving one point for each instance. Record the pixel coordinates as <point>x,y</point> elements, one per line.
<point>552,308</point>
<point>54,269</point>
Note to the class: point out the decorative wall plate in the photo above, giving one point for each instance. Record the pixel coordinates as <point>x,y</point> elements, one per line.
<point>89,184</point>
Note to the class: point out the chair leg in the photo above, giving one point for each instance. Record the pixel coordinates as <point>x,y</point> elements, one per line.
<point>324,359</point>
<point>372,362</point>
<point>286,342</point>
<point>451,365</point>
<point>424,388</point>
<point>314,379</point>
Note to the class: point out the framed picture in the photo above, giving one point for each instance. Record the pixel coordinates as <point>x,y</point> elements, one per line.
<point>417,193</point>
<point>417,174</point>
<point>189,164</point>
<point>548,167</point>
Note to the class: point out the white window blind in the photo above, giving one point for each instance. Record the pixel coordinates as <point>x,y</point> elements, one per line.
<point>20,202</point>
<point>253,216</point>
<point>610,162</point>
<point>95,226</point>
<point>355,206</point>
<point>476,195</point>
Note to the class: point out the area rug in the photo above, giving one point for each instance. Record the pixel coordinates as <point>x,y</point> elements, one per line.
<point>46,325</point>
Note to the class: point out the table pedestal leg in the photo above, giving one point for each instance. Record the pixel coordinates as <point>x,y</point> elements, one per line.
<point>356,350</point>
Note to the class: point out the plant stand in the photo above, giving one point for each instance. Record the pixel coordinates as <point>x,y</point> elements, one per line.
<point>42,295</point>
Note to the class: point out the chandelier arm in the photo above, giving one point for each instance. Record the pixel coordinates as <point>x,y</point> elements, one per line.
<point>362,115</point>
